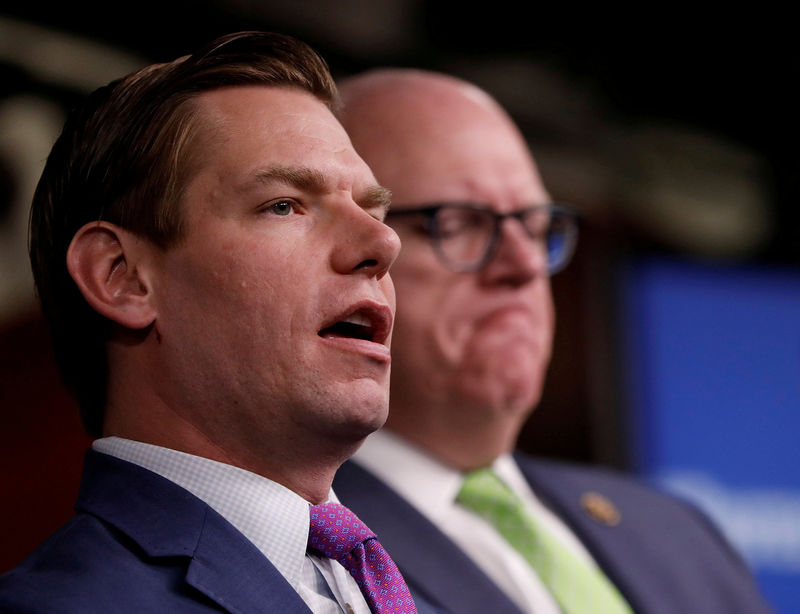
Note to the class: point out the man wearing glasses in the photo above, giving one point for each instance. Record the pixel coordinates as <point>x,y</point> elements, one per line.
<point>473,526</point>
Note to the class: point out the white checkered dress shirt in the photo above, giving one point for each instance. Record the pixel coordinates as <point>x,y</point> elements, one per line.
<point>270,515</point>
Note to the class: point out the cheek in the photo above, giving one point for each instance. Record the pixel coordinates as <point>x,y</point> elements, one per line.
<point>414,281</point>
<point>431,318</point>
<point>232,288</point>
<point>456,327</point>
<point>417,294</point>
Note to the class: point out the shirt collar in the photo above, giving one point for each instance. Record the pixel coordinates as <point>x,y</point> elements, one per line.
<point>270,515</point>
<point>424,481</point>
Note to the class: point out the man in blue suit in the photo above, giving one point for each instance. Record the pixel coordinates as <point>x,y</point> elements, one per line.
<point>211,256</point>
<point>474,331</point>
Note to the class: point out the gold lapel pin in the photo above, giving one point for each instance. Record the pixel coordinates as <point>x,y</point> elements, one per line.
<point>600,509</point>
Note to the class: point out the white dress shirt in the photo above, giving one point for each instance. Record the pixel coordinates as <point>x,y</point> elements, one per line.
<point>431,487</point>
<point>270,515</point>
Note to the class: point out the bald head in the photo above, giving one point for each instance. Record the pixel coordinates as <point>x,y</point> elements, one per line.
<point>470,350</point>
<point>401,120</point>
<point>391,94</point>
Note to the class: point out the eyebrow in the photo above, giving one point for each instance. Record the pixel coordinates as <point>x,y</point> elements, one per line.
<point>312,180</point>
<point>300,177</point>
<point>376,197</point>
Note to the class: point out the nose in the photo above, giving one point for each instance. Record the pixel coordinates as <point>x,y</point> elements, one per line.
<point>517,259</point>
<point>368,246</point>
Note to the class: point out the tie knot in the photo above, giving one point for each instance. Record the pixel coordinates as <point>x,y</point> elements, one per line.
<point>337,533</point>
<point>335,530</point>
<point>483,487</point>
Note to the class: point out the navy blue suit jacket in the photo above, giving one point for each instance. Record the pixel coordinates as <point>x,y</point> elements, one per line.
<point>140,543</point>
<point>663,555</point>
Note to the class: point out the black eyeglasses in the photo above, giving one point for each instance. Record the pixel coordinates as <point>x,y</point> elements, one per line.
<point>465,237</point>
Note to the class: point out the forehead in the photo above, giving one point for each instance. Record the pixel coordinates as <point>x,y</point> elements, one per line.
<point>449,146</point>
<point>243,130</point>
<point>481,163</point>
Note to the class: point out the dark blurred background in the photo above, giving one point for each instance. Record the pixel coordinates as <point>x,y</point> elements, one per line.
<point>671,130</point>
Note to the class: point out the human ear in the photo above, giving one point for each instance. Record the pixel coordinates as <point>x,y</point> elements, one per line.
<point>103,260</point>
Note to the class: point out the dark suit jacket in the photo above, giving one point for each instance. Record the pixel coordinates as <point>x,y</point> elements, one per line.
<point>663,555</point>
<point>140,543</point>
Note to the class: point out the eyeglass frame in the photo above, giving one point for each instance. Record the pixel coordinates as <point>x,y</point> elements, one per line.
<point>430,211</point>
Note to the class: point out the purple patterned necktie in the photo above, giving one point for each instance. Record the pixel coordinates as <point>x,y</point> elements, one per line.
<point>337,533</point>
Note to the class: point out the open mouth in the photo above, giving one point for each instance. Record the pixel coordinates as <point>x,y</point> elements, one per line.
<point>368,323</point>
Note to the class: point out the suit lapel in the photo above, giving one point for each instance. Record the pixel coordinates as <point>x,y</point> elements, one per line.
<point>662,555</point>
<point>233,572</point>
<point>433,566</point>
<point>167,521</point>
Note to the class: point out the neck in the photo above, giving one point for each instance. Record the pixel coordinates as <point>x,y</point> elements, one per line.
<point>459,444</point>
<point>305,467</point>
<point>267,442</point>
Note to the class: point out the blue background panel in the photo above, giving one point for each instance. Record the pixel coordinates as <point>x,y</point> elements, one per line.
<point>712,371</point>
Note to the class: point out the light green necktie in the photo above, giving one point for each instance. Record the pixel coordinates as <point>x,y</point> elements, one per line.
<point>578,587</point>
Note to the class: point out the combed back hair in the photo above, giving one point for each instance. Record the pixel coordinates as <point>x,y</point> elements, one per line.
<point>125,157</point>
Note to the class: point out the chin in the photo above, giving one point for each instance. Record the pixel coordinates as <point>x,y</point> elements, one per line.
<point>353,434</point>
<point>365,417</point>
<point>507,399</point>
<point>521,405</point>
<point>376,418</point>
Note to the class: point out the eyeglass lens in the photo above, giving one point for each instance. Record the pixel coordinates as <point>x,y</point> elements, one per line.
<point>466,236</point>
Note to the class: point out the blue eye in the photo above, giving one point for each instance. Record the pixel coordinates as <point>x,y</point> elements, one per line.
<point>283,207</point>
